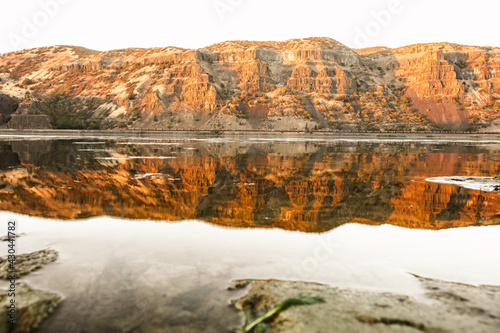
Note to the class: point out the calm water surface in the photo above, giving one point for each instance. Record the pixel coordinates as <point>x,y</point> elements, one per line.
<point>253,207</point>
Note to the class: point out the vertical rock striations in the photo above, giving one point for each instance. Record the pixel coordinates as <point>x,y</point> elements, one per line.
<point>299,82</point>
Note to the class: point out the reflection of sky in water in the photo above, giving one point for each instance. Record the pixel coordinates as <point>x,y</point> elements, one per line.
<point>196,261</point>
<point>136,158</point>
<point>97,150</point>
<point>154,143</point>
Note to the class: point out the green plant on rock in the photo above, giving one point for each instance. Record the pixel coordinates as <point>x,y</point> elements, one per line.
<point>258,325</point>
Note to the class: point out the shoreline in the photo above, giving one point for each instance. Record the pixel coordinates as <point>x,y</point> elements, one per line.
<point>240,131</point>
<point>457,137</point>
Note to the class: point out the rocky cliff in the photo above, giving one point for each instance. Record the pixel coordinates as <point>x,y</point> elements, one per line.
<point>266,85</point>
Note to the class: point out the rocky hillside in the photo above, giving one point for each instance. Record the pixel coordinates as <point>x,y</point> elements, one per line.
<point>295,84</point>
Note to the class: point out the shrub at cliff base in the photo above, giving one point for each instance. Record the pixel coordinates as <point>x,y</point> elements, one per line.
<point>66,112</point>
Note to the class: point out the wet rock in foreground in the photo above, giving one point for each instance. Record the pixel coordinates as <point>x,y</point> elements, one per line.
<point>452,307</point>
<point>32,307</point>
<point>28,262</point>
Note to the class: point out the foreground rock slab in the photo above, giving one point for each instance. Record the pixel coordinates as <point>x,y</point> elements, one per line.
<point>28,262</point>
<point>451,307</point>
<point>32,307</point>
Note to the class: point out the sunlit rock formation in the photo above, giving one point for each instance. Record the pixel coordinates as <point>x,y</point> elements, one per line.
<point>261,85</point>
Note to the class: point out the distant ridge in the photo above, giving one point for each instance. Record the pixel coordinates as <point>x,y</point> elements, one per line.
<point>293,84</point>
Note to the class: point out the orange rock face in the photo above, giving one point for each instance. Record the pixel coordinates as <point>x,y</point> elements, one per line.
<point>430,74</point>
<point>447,84</point>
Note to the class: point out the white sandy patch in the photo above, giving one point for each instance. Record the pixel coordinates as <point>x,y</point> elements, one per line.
<point>41,75</point>
<point>487,184</point>
<point>160,88</point>
<point>152,176</point>
<point>117,112</point>
<point>142,79</point>
<point>11,90</point>
<point>119,89</point>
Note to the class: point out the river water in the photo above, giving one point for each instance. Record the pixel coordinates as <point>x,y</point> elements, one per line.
<point>151,229</point>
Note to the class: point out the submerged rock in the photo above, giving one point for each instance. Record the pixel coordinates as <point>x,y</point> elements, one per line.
<point>28,262</point>
<point>452,307</point>
<point>32,306</point>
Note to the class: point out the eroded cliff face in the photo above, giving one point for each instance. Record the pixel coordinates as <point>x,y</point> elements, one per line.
<point>312,81</point>
<point>309,188</point>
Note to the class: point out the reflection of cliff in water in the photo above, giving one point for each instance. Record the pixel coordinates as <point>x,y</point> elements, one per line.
<point>8,158</point>
<point>299,186</point>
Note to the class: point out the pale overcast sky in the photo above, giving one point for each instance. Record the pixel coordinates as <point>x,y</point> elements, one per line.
<point>109,24</point>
